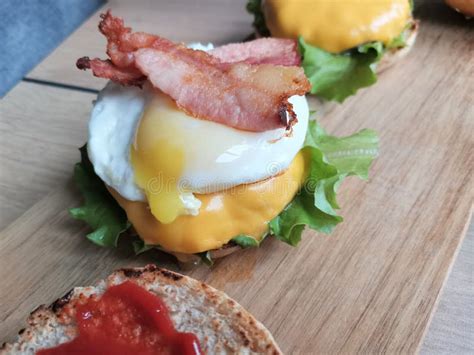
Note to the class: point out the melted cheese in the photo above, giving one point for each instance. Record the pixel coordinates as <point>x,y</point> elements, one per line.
<point>244,209</point>
<point>337,25</point>
<point>157,157</point>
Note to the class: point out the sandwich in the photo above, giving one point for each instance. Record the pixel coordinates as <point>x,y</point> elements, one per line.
<point>343,44</point>
<point>143,311</point>
<point>465,7</point>
<point>201,152</point>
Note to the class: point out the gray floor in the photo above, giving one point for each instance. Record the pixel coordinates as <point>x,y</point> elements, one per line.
<point>452,328</point>
<point>30,29</point>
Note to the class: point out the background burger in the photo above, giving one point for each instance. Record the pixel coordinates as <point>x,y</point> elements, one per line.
<point>342,43</point>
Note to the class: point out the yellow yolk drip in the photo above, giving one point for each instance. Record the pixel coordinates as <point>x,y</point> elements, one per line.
<point>245,209</point>
<point>158,160</point>
<point>337,25</point>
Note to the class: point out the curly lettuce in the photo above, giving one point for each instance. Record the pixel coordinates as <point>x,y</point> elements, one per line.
<point>337,76</point>
<point>331,160</point>
<point>246,241</point>
<point>100,210</point>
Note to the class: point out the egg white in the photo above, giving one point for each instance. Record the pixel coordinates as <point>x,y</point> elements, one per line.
<point>218,157</point>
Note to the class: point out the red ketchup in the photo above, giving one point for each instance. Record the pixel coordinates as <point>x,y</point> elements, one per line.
<point>127,319</point>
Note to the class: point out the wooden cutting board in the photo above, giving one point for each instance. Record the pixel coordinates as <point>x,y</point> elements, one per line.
<point>372,285</point>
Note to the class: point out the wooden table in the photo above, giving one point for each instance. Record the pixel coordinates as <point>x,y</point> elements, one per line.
<point>372,286</point>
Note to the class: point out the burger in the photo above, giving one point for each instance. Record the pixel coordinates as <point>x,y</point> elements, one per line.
<point>343,44</point>
<point>465,7</point>
<point>203,151</point>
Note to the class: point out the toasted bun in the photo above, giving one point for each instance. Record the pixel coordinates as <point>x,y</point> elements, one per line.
<point>225,250</point>
<point>190,260</point>
<point>465,7</point>
<point>220,323</point>
<point>393,55</point>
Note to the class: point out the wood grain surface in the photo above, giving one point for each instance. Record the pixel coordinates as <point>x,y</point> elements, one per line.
<point>40,130</point>
<point>370,287</point>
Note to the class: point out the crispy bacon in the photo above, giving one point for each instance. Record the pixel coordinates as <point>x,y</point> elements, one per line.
<point>245,96</point>
<point>121,42</point>
<point>106,69</point>
<point>277,51</point>
<point>248,97</point>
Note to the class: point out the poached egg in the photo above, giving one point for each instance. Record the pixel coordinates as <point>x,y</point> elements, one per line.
<point>146,149</point>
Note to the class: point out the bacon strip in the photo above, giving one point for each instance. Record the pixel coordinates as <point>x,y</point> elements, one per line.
<point>241,95</point>
<point>277,51</point>
<point>106,69</point>
<point>253,98</point>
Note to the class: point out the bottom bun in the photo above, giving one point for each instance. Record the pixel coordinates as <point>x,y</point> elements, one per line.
<point>190,260</point>
<point>391,56</point>
<point>220,323</point>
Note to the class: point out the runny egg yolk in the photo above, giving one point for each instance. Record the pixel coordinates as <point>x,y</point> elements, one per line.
<point>244,209</point>
<point>337,25</point>
<point>158,160</point>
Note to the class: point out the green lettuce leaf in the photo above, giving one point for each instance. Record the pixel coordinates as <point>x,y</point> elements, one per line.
<point>139,246</point>
<point>100,210</point>
<point>206,258</point>
<point>332,159</point>
<point>254,7</point>
<point>337,76</point>
<point>245,241</point>
<point>401,40</point>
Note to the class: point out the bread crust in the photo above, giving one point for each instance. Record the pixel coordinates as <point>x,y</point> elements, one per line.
<point>220,323</point>
<point>392,56</point>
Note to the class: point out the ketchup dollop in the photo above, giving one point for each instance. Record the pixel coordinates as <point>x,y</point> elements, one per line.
<point>127,319</point>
